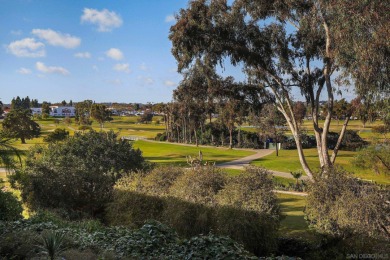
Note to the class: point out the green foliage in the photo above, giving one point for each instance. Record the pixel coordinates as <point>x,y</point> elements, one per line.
<point>343,206</point>
<point>152,241</point>
<point>199,185</point>
<point>255,230</point>
<point>158,182</point>
<point>376,157</point>
<point>100,113</point>
<point>18,124</point>
<point>200,201</point>
<point>17,244</point>
<point>10,208</point>
<point>251,190</point>
<point>52,244</point>
<point>78,174</point>
<point>58,134</point>
<point>146,117</point>
<point>132,209</point>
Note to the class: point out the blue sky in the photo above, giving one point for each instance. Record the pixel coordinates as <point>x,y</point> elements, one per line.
<point>104,50</point>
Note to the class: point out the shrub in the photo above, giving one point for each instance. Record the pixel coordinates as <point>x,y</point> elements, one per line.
<point>18,244</point>
<point>376,157</point>
<point>10,207</point>
<point>132,209</point>
<point>192,206</point>
<point>159,181</point>
<point>77,175</point>
<point>199,185</point>
<point>57,135</point>
<point>256,231</point>
<point>188,219</point>
<point>251,190</point>
<point>213,247</point>
<point>343,206</point>
<point>152,241</point>
<point>52,244</point>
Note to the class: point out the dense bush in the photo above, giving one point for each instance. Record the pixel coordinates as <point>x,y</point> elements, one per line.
<point>200,201</point>
<point>251,190</point>
<point>256,231</point>
<point>343,206</point>
<point>10,207</point>
<point>199,185</point>
<point>57,135</point>
<point>350,142</point>
<point>158,182</point>
<point>152,241</point>
<point>131,208</point>
<point>77,175</point>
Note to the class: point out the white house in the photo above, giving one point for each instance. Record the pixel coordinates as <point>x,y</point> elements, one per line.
<point>36,110</point>
<point>62,111</point>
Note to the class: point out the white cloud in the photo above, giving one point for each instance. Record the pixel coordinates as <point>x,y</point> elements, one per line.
<point>169,83</point>
<point>122,67</point>
<point>51,69</point>
<point>57,39</point>
<point>169,18</point>
<point>24,71</point>
<point>146,80</point>
<point>143,67</point>
<point>28,47</point>
<point>115,54</point>
<point>83,55</point>
<point>105,20</point>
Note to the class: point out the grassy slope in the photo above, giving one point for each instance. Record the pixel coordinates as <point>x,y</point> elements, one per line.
<point>166,153</point>
<point>288,161</point>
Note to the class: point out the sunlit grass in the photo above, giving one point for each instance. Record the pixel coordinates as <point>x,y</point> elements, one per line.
<point>293,223</point>
<point>288,161</point>
<point>166,153</point>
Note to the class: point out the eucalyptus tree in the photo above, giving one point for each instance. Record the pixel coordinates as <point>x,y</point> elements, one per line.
<point>83,112</point>
<point>101,114</point>
<point>195,96</point>
<point>291,45</point>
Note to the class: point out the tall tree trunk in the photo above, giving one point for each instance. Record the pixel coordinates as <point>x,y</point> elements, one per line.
<point>239,136</point>
<point>339,141</point>
<point>230,137</point>
<point>196,137</point>
<point>23,140</point>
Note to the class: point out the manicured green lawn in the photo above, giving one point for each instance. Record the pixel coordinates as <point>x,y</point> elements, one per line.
<point>166,153</point>
<point>288,161</point>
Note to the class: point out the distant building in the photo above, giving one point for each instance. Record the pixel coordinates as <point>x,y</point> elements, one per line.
<point>36,111</point>
<point>56,111</point>
<point>62,111</point>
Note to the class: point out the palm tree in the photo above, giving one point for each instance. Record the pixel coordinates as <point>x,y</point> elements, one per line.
<point>7,152</point>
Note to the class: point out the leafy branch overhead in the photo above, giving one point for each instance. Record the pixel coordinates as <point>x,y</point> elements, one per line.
<point>291,45</point>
